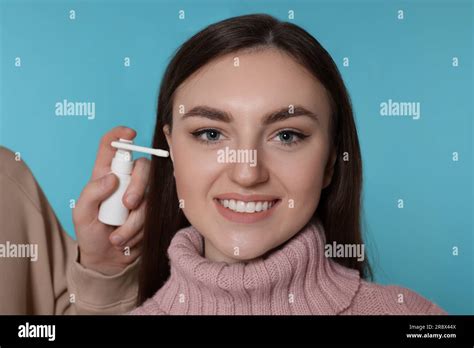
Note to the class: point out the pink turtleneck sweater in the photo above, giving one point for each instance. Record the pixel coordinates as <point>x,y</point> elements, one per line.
<point>295,278</point>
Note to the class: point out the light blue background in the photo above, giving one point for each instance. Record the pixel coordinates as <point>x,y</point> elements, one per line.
<point>403,60</point>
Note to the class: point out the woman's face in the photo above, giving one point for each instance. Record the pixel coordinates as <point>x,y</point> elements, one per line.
<point>226,146</point>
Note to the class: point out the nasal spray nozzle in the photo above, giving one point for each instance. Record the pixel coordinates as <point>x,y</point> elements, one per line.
<point>112,211</point>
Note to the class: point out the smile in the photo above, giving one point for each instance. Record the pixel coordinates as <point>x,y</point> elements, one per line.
<point>239,211</point>
<point>246,207</point>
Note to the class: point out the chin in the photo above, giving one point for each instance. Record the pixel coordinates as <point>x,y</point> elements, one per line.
<point>246,254</point>
<point>246,257</point>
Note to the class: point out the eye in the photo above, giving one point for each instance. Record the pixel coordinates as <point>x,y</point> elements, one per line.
<point>290,137</point>
<point>210,135</point>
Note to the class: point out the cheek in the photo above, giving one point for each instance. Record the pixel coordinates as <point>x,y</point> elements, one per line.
<point>307,179</point>
<point>301,173</point>
<point>195,168</point>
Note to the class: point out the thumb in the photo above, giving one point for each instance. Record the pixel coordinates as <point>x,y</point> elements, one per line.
<point>93,194</point>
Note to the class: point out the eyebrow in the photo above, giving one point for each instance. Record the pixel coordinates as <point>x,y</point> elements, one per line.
<point>272,117</point>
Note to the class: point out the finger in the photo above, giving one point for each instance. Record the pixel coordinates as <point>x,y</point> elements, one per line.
<point>132,242</point>
<point>106,152</point>
<point>132,253</point>
<point>130,228</point>
<point>136,189</point>
<point>93,194</point>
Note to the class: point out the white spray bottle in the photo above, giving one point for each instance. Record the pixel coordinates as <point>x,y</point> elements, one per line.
<point>112,211</point>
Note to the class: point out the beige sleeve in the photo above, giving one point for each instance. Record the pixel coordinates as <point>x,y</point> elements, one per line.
<point>96,293</point>
<point>39,272</point>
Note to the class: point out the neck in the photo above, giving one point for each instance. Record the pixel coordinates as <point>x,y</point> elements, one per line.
<point>295,278</point>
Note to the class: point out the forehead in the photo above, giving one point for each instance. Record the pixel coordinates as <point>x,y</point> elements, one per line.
<point>253,82</point>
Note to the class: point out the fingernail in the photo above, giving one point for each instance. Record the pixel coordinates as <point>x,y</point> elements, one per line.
<point>117,240</point>
<point>132,199</point>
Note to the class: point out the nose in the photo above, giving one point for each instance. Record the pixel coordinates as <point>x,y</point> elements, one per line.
<point>246,173</point>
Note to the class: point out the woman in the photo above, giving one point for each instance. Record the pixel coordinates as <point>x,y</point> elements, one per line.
<point>254,83</point>
<point>265,172</point>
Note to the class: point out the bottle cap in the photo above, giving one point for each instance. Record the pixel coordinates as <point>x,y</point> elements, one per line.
<point>122,163</point>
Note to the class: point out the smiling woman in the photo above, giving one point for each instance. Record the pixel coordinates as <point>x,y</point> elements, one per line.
<point>252,96</point>
<point>227,237</point>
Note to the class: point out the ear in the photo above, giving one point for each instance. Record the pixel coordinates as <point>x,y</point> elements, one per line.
<point>166,130</point>
<point>329,169</point>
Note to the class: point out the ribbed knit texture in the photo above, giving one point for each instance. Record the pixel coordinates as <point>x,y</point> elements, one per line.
<point>295,278</point>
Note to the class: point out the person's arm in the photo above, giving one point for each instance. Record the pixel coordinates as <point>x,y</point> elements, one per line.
<point>416,304</point>
<point>103,275</point>
<point>377,299</point>
<point>91,292</point>
<point>49,279</point>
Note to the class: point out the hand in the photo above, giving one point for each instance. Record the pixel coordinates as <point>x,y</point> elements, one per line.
<point>104,248</point>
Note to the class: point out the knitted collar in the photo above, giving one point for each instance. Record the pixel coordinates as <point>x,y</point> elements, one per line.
<point>295,278</point>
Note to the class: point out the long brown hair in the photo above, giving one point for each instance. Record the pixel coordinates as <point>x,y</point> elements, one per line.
<point>339,208</point>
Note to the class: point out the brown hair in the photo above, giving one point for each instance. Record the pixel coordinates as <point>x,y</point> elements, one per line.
<point>340,203</point>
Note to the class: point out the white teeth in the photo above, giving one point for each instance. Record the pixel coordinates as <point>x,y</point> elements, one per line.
<point>246,207</point>
<point>250,207</point>
<point>240,206</point>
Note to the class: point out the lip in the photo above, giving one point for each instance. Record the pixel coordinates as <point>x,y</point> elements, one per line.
<point>246,218</point>
<point>247,198</point>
